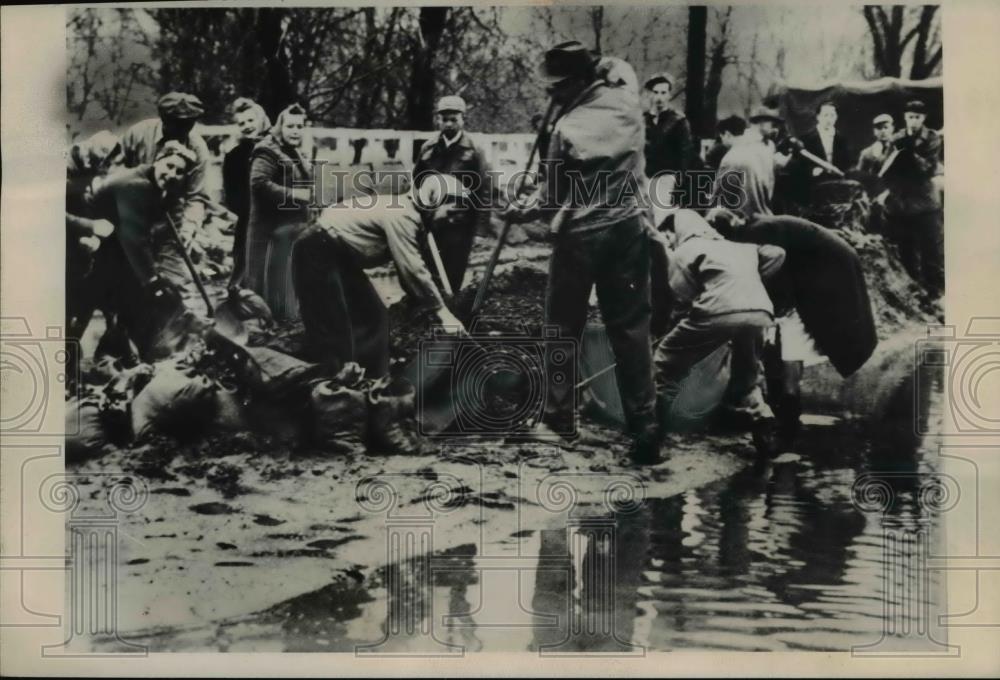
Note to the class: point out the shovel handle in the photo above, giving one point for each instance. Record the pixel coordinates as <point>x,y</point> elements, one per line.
<point>438,264</point>
<point>502,238</point>
<point>190,265</point>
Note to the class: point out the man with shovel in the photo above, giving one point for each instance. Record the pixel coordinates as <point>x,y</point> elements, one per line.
<point>344,316</point>
<point>593,169</point>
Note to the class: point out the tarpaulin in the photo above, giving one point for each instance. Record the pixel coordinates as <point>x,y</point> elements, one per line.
<point>858,102</point>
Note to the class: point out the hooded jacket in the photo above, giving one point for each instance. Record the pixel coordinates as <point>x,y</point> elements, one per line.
<point>717,276</point>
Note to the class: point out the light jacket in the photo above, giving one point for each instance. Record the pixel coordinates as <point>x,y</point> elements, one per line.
<point>716,276</point>
<point>593,170</point>
<point>745,179</point>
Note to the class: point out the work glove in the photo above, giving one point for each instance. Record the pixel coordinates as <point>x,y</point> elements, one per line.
<point>790,145</point>
<point>522,209</point>
<point>162,295</point>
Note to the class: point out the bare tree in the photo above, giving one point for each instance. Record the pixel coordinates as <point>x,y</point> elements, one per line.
<point>893,28</point>
<point>695,83</point>
<point>718,59</point>
<point>105,67</point>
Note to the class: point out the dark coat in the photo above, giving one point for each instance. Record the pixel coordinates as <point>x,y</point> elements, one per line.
<point>236,193</point>
<point>463,159</point>
<point>236,180</point>
<point>669,144</point>
<point>800,170</point>
<point>841,152</point>
<point>280,197</point>
<point>826,280</point>
<point>910,177</point>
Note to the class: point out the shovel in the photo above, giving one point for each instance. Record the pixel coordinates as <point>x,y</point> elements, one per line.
<point>226,316</point>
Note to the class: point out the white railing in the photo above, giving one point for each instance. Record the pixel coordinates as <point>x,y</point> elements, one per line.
<point>384,149</point>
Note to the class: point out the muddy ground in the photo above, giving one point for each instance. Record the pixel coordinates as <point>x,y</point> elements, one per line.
<point>240,521</point>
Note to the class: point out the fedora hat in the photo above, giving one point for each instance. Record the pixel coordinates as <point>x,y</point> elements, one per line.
<point>566,60</point>
<point>765,113</point>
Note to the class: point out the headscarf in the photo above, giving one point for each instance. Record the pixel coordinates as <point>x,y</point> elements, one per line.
<point>175,148</point>
<point>294,110</point>
<point>260,115</point>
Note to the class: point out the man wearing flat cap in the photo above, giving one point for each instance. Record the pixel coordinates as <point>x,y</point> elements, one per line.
<point>669,145</point>
<point>589,191</point>
<point>869,167</point>
<point>872,157</point>
<point>144,140</point>
<point>452,152</point>
<point>913,206</point>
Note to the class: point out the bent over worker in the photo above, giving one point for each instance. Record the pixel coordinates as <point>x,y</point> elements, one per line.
<point>344,317</point>
<point>720,282</point>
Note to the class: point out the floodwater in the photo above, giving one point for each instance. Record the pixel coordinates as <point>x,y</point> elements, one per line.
<point>783,559</point>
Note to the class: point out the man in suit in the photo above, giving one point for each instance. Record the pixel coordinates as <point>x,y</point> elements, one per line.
<point>823,142</point>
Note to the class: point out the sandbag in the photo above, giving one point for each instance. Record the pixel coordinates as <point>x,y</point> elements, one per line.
<point>174,402</point>
<point>280,373</point>
<point>116,399</point>
<point>85,434</point>
<point>340,417</point>
<point>392,417</point>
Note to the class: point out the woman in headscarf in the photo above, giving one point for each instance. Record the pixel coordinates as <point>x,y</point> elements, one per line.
<point>252,122</point>
<point>280,198</point>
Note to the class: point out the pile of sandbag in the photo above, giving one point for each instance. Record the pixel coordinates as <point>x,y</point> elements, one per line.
<point>351,414</point>
<point>218,385</point>
<point>172,397</point>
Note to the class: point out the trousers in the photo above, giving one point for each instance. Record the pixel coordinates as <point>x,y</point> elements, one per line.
<point>344,317</point>
<point>920,239</point>
<point>454,243</point>
<point>694,338</point>
<point>615,260</point>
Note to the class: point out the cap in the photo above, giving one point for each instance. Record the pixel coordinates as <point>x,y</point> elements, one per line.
<point>661,77</point>
<point>765,113</point>
<point>882,119</point>
<point>915,106</point>
<point>451,102</point>
<point>566,60</point>
<point>180,105</point>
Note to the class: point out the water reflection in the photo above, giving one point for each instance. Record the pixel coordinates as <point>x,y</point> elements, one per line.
<point>780,561</point>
